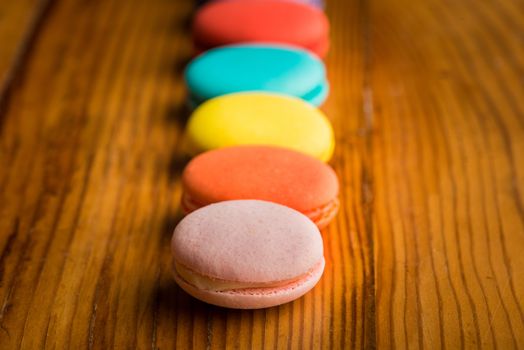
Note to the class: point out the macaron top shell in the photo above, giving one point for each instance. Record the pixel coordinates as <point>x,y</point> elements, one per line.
<point>260,172</point>
<point>239,68</point>
<point>227,22</point>
<point>247,241</point>
<point>260,119</point>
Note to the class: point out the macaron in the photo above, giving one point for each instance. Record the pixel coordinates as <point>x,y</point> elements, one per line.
<point>247,254</point>
<point>260,119</point>
<point>257,67</point>
<point>266,173</point>
<point>317,3</point>
<point>226,22</point>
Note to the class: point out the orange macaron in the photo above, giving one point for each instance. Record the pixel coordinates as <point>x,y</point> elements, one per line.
<point>267,173</point>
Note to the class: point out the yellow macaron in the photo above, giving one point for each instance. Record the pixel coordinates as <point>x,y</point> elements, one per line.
<point>256,118</point>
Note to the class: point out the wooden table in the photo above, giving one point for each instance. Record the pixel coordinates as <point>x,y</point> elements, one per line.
<point>427,251</point>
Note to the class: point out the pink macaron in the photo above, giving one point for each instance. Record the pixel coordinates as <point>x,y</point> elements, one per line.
<point>247,254</point>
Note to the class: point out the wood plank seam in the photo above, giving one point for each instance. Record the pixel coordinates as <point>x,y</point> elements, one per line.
<point>369,335</point>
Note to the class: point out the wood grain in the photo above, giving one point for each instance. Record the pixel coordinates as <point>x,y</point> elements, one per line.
<point>428,107</point>
<point>448,172</point>
<point>20,22</point>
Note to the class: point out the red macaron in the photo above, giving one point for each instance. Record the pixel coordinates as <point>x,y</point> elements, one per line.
<point>267,173</point>
<point>293,23</point>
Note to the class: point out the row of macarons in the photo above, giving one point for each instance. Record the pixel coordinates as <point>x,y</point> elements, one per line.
<point>259,189</point>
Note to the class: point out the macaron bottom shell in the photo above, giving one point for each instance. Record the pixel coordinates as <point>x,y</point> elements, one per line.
<point>317,3</point>
<point>321,216</point>
<point>315,97</point>
<point>319,49</point>
<point>255,298</point>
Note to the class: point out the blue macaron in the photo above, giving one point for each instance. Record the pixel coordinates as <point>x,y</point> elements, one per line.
<point>257,67</point>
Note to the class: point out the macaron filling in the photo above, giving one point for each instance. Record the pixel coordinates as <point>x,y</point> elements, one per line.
<point>215,284</point>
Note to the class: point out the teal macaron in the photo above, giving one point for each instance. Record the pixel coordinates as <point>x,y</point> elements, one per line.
<point>257,67</point>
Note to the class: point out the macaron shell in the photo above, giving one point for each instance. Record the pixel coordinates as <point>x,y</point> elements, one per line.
<point>266,173</point>
<point>318,3</point>
<point>260,119</point>
<point>257,67</point>
<point>318,95</point>
<point>255,298</point>
<point>236,21</point>
<point>323,216</point>
<point>248,241</point>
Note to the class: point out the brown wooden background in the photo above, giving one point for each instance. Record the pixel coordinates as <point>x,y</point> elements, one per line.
<point>428,249</point>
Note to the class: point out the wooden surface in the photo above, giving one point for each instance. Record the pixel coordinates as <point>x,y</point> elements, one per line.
<point>427,252</point>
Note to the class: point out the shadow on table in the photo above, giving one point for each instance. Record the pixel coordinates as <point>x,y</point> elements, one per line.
<point>178,115</point>
<point>181,307</point>
<point>177,165</point>
<point>179,65</point>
